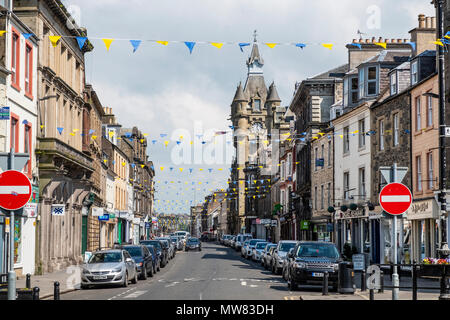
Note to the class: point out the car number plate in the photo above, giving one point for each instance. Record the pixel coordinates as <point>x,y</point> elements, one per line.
<point>317,274</point>
<point>100,277</point>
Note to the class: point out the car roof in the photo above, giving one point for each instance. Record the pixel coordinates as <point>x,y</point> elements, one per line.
<point>109,250</point>
<point>288,241</point>
<point>316,242</point>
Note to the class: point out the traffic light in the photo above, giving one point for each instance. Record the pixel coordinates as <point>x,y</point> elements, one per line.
<point>442,201</point>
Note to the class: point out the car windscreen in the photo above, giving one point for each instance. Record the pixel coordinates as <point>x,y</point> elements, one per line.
<point>285,247</point>
<point>134,251</point>
<point>150,248</point>
<point>247,237</point>
<point>269,246</point>
<point>106,257</point>
<point>317,250</point>
<point>173,240</point>
<point>154,243</point>
<point>193,240</point>
<point>261,245</point>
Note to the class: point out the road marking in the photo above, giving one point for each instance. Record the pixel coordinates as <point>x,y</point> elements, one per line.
<point>253,286</point>
<point>172,284</point>
<point>243,283</point>
<point>135,294</point>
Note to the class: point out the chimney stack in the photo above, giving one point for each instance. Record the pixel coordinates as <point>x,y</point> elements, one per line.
<point>421,21</point>
<point>424,34</point>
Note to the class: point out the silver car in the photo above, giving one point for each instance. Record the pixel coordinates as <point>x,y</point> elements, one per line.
<point>258,251</point>
<point>109,267</point>
<point>280,254</point>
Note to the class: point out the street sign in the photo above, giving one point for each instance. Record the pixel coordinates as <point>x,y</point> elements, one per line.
<point>4,113</point>
<point>395,198</point>
<point>58,209</point>
<point>15,190</point>
<point>374,277</point>
<point>388,174</point>
<point>358,262</point>
<point>447,131</point>
<point>104,217</point>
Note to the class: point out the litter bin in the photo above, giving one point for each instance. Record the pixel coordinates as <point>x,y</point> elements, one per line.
<point>346,281</point>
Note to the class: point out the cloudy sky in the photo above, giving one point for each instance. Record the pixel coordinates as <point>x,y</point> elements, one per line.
<point>166,90</point>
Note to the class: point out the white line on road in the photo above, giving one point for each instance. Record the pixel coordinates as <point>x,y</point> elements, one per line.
<point>243,283</point>
<point>135,294</point>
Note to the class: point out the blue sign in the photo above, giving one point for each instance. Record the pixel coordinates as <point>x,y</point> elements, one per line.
<point>4,113</point>
<point>320,162</point>
<point>104,217</point>
<point>148,225</point>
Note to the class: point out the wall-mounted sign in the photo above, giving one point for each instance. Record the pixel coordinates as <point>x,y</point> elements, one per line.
<point>104,217</point>
<point>304,225</point>
<point>58,209</point>
<point>30,210</point>
<point>320,162</point>
<point>97,211</point>
<point>4,113</point>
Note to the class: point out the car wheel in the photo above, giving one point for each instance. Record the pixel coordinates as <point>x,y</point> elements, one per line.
<point>84,286</point>
<point>159,266</point>
<point>152,270</point>
<point>125,281</point>
<point>135,279</point>
<point>144,274</point>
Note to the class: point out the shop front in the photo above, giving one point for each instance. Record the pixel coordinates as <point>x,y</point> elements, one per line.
<point>423,216</point>
<point>122,230</point>
<point>136,224</point>
<point>322,229</point>
<point>352,230</point>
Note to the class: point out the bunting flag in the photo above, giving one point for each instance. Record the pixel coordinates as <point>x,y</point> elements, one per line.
<point>447,35</point>
<point>107,43</point>
<point>218,45</point>
<point>54,40</point>
<point>381,44</point>
<point>181,169</point>
<point>243,44</point>
<point>164,43</point>
<point>412,44</point>
<point>190,45</point>
<point>300,45</point>
<point>271,45</point>
<point>328,45</point>
<point>60,130</point>
<point>81,41</point>
<point>438,42</point>
<point>91,131</point>
<point>356,45</point>
<point>2,32</point>
<point>94,137</point>
<point>27,35</point>
<point>162,168</point>
<point>166,143</point>
<point>135,44</point>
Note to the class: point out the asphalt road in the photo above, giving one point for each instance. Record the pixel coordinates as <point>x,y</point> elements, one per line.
<point>215,273</point>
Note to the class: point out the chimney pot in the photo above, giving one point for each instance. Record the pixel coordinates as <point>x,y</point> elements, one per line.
<point>406,40</point>
<point>428,22</point>
<point>399,40</point>
<point>421,21</point>
<point>354,40</point>
<point>433,22</point>
<point>368,40</point>
<point>380,39</point>
<point>393,40</point>
<point>387,40</point>
<point>373,39</point>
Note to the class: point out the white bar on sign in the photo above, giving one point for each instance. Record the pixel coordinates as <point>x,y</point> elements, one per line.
<point>14,189</point>
<point>405,198</point>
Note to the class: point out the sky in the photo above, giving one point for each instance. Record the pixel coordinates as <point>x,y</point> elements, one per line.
<point>166,90</point>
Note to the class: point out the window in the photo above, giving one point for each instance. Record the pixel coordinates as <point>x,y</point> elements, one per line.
<point>282,171</point>
<point>393,83</point>
<point>14,136</point>
<point>362,133</point>
<point>346,185</point>
<point>414,73</point>
<point>362,182</point>
<point>322,156</point>
<point>316,151</point>
<point>346,89</point>
<point>430,170</point>
<point>354,90</point>
<point>29,71</point>
<point>15,60</point>
<point>289,164</point>
<point>381,135</point>
<point>396,130</point>
<point>346,140</point>
<point>418,115</point>
<point>28,148</point>
<point>329,194</point>
<point>429,111</point>
<point>371,81</point>
<point>419,173</point>
<point>315,198</point>
<point>361,83</point>
<point>321,197</point>
<point>329,153</point>
<point>282,198</point>
<point>257,103</point>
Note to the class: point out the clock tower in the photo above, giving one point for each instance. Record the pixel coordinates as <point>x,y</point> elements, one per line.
<point>251,115</point>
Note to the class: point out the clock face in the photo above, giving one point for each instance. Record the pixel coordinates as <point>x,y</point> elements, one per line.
<point>257,127</point>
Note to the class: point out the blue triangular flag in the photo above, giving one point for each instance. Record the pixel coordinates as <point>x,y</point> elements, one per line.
<point>300,45</point>
<point>163,135</point>
<point>190,45</point>
<point>91,131</point>
<point>25,122</point>
<point>154,141</point>
<point>178,142</point>
<point>209,170</point>
<point>133,165</point>
<point>356,45</point>
<point>412,44</point>
<point>190,170</point>
<point>135,44</point>
<point>128,134</point>
<point>81,41</point>
<point>60,130</point>
<point>243,44</point>
<point>27,35</point>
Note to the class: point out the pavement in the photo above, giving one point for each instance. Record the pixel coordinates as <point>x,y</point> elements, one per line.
<point>215,273</point>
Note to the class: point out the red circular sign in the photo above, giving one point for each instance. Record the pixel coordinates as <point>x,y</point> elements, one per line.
<point>15,190</point>
<point>395,198</point>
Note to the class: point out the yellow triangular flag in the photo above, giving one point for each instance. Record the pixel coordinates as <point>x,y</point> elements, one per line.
<point>111,133</point>
<point>107,43</point>
<point>142,165</point>
<point>94,137</point>
<point>181,169</point>
<point>72,134</point>
<point>271,45</point>
<point>142,140</point>
<point>42,126</point>
<point>328,45</point>
<point>162,168</point>
<point>166,143</point>
<point>438,42</point>
<point>218,45</point>
<point>123,164</point>
<point>164,43</point>
<point>54,40</point>
<point>381,44</point>
<point>2,32</point>
<point>342,136</point>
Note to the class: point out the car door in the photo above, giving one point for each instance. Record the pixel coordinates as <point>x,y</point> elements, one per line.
<point>128,264</point>
<point>147,258</point>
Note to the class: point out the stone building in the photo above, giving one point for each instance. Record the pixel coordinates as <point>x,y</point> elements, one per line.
<point>64,170</point>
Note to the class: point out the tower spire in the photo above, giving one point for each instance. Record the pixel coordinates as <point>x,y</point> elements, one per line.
<point>254,36</point>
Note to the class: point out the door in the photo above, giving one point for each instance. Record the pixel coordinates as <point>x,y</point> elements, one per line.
<point>84,222</point>
<point>119,232</point>
<point>375,244</point>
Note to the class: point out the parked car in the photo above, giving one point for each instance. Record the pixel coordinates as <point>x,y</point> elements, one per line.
<point>143,259</point>
<point>193,244</point>
<point>240,239</point>
<point>251,245</point>
<point>177,242</point>
<point>244,247</point>
<point>310,260</point>
<point>156,262</point>
<point>109,267</point>
<point>258,251</point>
<point>284,270</point>
<point>266,259</point>
<point>233,242</point>
<point>280,253</point>
<point>224,238</point>
<point>170,247</point>
<point>161,249</point>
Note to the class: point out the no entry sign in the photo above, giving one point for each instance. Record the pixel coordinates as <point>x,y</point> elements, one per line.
<point>395,198</point>
<point>15,190</point>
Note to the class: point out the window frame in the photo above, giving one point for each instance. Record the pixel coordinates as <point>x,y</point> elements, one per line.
<point>418,104</point>
<point>396,124</point>
<point>419,173</point>
<point>429,111</point>
<point>30,146</point>
<point>361,131</point>
<point>430,171</point>
<point>414,72</point>
<point>346,140</point>
<point>16,132</point>
<point>346,185</point>
<point>393,84</point>
<point>361,83</point>
<point>29,65</point>
<point>15,56</point>
<point>381,134</point>
<point>371,81</point>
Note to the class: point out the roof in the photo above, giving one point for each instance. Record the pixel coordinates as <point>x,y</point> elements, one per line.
<point>255,56</point>
<point>239,95</point>
<point>395,56</point>
<point>273,93</point>
<point>331,74</point>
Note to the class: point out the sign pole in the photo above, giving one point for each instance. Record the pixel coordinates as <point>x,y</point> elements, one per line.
<point>11,272</point>
<point>395,280</point>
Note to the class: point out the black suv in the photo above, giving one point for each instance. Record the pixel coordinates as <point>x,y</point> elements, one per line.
<point>309,261</point>
<point>161,250</point>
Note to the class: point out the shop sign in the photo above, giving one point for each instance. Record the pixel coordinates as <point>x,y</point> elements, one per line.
<point>58,209</point>
<point>30,210</point>
<point>274,223</point>
<point>265,221</point>
<point>4,113</point>
<point>97,211</point>
<point>350,214</point>
<point>427,209</point>
<point>282,219</point>
<point>148,225</point>
<point>123,214</point>
<point>304,225</point>
<point>104,217</point>
<point>112,216</point>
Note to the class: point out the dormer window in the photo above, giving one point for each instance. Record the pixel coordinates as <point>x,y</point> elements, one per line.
<point>350,91</point>
<point>368,81</point>
<point>414,73</point>
<point>393,83</point>
<point>371,81</point>
<point>257,105</point>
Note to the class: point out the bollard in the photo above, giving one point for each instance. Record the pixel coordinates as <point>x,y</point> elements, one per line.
<point>325,284</point>
<point>381,290</point>
<point>414,281</point>
<point>28,281</point>
<point>56,291</point>
<point>371,294</point>
<point>36,293</point>
<point>12,293</point>
<point>363,280</point>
